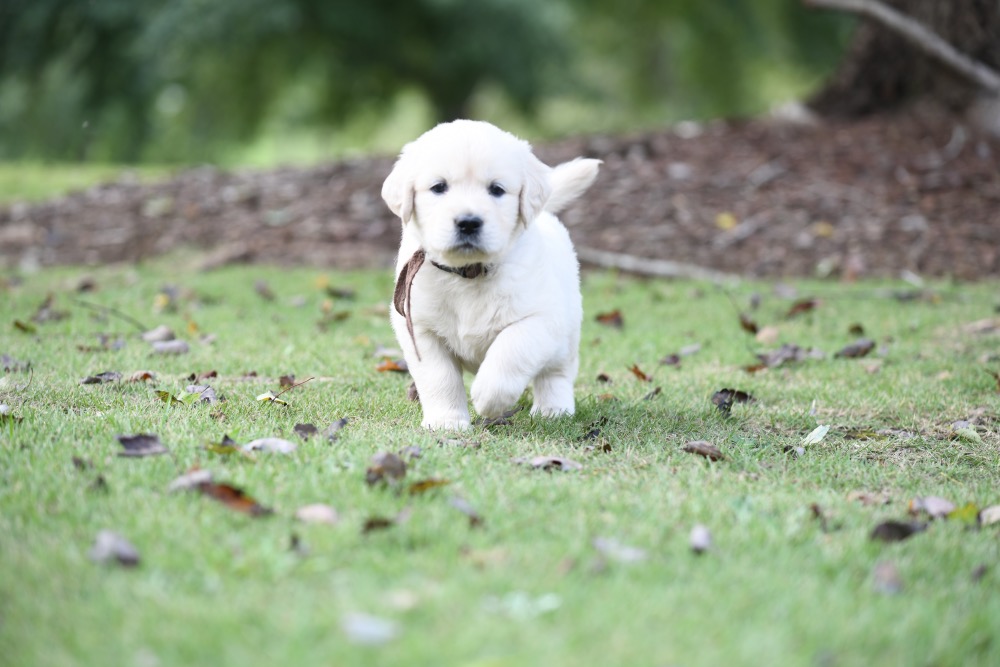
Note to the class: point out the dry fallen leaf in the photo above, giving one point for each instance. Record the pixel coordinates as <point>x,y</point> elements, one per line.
<point>550,463</point>
<point>704,448</point>
<point>989,515</point>
<point>768,335</point>
<point>305,431</point>
<point>317,513</point>
<point>802,306</point>
<point>160,334</point>
<point>424,485</point>
<point>637,372</point>
<point>101,378</point>
<point>614,550</point>
<point>934,507</point>
<point>141,376</point>
<point>171,347</point>
<point>110,546</point>
<point>389,365</point>
<point>332,432</point>
<point>611,319</point>
<point>896,531</point>
<point>142,444</point>
<point>386,467</point>
<point>234,498</point>
<point>192,479</point>
<point>748,324</point>
<point>856,350</point>
<point>270,446</point>
<point>463,506</point>
<point>725,398</point>
<point>700,539</point>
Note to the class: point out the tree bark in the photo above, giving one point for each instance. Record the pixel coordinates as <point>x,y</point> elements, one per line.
<point>882,70</point>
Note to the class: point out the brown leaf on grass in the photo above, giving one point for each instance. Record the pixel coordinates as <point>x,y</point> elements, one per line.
<point>142,444</point>
<point>205,393</point>
<point>856,330</point>
<point>332,432</point>
<point>653,394</point>
<point>425,485</point>
<point>141,376</point>
<point>393,366</point>
<point>748,324</point>
<point>386,467</point>
<point>305,431</point>
<point>263,290</point>
<point>611,319</point>
<point>724,399</point>
<point>197,378</point>
<point>376,523</point>
<point>109,546</point>
<point>704,448</point>
<point>995,375</point>
<point>604,378</point>
<point>671,360</point>
<point>550,463</point>
<point>46,311</point>
<point>286,381</point>
<point>934,507</point>
<point>10,365</point>
<point>856,350</point>
<point>25,327</point>
<point>802,306</point>
<point>789,353</point>
<point>234,498</point>
<point>637,372</point>
<point>463,506</point>
<point>896,531</point>
<point>101,378</point>
<point>104,344</point>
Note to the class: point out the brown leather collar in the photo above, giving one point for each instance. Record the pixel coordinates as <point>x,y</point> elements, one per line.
<point>469,271</point>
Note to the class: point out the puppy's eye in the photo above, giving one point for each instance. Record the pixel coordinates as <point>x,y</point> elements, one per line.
<point>439,188</point>
<point>496,190</point>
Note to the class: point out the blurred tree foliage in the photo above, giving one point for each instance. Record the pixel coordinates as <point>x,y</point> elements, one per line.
<point>179,80</point>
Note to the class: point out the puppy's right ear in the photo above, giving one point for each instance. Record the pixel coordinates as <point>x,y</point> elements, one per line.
<point>398,191</point>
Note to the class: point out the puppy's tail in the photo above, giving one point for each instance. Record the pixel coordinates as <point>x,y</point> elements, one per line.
<point>569,180</point>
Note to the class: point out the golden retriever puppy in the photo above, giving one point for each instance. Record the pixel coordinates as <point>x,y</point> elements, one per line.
<point>488,281</point>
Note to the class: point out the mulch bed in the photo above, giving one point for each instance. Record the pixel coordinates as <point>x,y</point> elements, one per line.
<point>916,192</point>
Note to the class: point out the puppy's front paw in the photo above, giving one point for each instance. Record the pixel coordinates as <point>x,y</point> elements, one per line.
<point>446,424</point>
<point>492,398</point>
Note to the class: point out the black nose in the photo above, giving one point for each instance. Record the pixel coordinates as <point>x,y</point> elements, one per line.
<point>468,225</point>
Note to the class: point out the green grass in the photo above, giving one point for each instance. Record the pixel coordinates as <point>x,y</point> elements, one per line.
<point>28,181</point>
<point>217,587</point>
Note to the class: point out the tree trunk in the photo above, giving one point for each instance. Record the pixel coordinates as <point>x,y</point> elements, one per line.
<point>882,71</point>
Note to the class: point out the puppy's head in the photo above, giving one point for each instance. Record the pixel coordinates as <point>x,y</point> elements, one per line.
<point>468,187</point>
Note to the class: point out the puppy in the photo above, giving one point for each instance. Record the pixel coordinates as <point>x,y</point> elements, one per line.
<point>487,278</point>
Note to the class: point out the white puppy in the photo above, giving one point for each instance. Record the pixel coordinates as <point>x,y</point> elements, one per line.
<point>488,280</point>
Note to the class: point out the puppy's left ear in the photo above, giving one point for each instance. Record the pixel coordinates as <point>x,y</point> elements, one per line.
<point>398,191</point>
<point>536,189</point>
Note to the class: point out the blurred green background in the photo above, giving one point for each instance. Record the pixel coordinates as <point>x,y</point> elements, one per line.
<point>261,82</point>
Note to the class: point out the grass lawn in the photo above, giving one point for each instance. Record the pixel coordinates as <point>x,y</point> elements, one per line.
<point>590,566</point>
